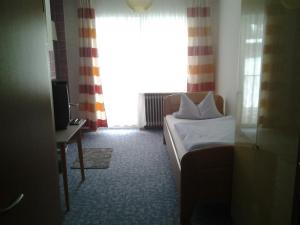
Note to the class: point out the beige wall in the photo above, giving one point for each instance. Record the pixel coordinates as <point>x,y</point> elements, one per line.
<point>228,53</point>
<point>215,16</point>
<point>72,46</point>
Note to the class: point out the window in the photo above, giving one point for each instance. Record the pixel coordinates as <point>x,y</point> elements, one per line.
<point>252,45</point>
<point>140,53</point>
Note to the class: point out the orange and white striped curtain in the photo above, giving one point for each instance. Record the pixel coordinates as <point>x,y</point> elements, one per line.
<point>273,64</point>
<point>279,96</point>
<point>201,67</point>
<point>91,102</point>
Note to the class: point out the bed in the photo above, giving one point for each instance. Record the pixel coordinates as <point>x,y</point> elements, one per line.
<point>203,173</point>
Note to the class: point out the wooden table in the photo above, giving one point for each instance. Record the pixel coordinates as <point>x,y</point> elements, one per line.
<point>63,137</point>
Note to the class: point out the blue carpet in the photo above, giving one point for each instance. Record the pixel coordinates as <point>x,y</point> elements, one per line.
<point>137,188</point>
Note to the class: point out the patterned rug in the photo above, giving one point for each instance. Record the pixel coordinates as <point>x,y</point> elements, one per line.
<point>94,158</point>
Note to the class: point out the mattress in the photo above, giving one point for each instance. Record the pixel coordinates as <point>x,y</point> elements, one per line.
<point>196,134</point>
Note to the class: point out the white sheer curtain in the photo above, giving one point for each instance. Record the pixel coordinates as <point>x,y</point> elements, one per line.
<point>139,52</point>
<point>251,61</point>
<point>251,46</point>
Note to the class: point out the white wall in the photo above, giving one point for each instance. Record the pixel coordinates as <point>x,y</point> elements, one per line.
<point>228,53</point>
<point>72,46</point>
<point>215,25</point>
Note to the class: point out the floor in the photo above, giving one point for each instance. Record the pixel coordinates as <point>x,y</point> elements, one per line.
<point>138,187</point>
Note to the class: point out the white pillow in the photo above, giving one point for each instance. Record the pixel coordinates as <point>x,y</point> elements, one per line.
<point>187,109</point>
<point>207,107</point>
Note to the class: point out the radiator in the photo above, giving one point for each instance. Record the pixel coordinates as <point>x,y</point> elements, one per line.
<point>154,109</point>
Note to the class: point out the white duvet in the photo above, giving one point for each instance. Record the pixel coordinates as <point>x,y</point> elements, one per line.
<point>203,133</point>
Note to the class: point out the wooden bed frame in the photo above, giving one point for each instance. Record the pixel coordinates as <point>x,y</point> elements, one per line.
<point>202,176</point>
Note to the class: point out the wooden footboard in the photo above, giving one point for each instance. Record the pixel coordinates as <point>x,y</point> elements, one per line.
<point>202,176</point>
<point>206,178</point>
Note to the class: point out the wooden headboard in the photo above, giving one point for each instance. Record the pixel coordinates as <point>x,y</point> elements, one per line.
<point>172,102</point>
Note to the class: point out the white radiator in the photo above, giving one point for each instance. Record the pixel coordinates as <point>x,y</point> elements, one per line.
<point>154,109</point>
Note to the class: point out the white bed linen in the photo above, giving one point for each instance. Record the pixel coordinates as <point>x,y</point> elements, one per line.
<point>191,134</point>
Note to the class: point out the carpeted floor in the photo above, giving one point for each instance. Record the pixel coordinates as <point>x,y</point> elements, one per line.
<point>137,188</point>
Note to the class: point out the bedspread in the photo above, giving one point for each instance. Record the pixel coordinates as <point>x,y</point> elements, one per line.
<point>204,133</point>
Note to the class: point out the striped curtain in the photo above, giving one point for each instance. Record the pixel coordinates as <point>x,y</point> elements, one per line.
<point>201,67</point>
<point>91,103</point>
<point>272,67</point>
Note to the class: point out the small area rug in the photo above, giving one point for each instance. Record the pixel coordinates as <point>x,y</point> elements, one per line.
<point>94,158</point>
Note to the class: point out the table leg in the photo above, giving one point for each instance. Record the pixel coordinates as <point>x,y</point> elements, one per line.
<point>65,175</point>
<point>80,155</point>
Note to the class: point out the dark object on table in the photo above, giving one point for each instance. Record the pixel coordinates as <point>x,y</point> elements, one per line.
<point>60,104</point>
<point>75,121</point>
